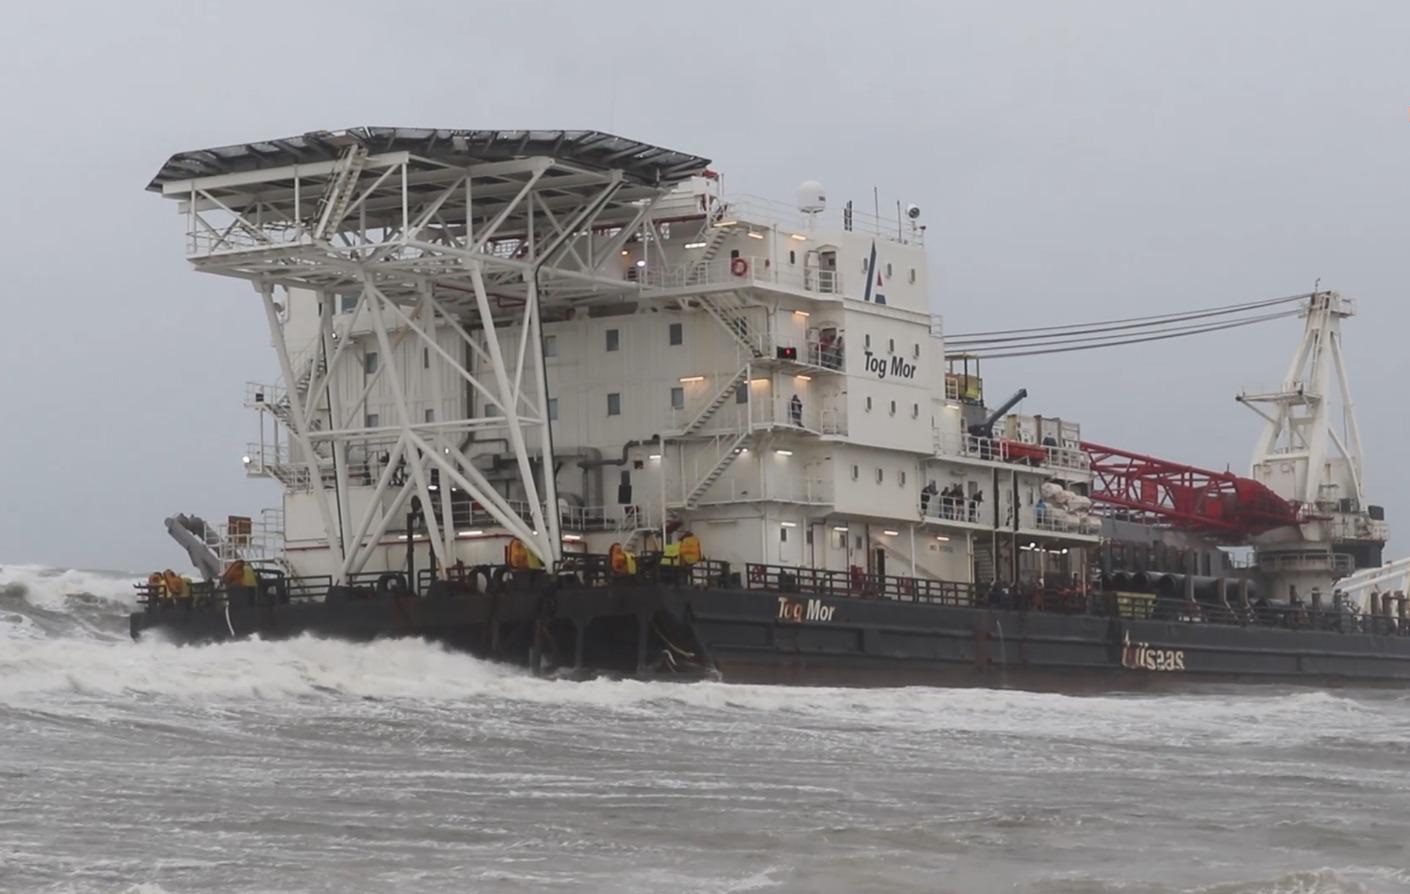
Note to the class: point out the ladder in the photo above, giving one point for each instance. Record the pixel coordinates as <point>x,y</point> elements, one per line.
<point>338,198</point>
<point>726,459</point>
<point>699,272</point>
<point>729,312</point>
<point>724,394</point>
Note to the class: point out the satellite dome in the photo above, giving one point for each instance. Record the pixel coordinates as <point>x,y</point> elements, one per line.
<point>811,197</point>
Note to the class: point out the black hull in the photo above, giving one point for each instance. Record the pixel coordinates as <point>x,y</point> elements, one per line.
<point>654,630</point>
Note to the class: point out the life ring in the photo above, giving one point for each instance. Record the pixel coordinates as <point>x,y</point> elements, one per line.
<point>392,582</point>
<point>739,267</point>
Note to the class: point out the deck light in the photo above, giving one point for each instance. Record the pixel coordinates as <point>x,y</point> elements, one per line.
<point>754,235</point>
<point>841,528</point>
<point>246,460</point>
<point>890,533</point>
<point>726,223</point>
<point>572,538</point>
<point>799,236</point>
<point>641,263</point>
<point>686,380</point>
<point>801,313</point>
<point>942,538</point>
<point>695,245</point>
<point>802,378</point>
<point>789,524</point>
<point>654,456</point>
<point>470,533</point>
<point>784,452</point>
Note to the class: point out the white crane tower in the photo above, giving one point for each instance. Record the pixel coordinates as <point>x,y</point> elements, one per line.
<point>447,246</point>
<point>1310,454</point>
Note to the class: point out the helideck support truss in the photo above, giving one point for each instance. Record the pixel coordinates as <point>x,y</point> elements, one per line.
<point>429,234</point>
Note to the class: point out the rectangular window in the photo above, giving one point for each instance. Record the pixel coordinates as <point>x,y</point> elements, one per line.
<point>741,393</point>
<point>901,478</point>
<point>678,398</point>
<point>868,404</point>
<point>347,304</point>
<point>782,534</point>
<point>369,363</point>
<point>430,415</point>
<point>856,472</point>
<point>915,411</point>
<point>893,408</point>
<point>614,339</point>
<point>676,334</point>
<point>792,258</point>
<point>550,346</point>
<point>880,475</point>
<point>553,409</point>
<point>372,420</point>
<point>425,358</point>
<point>614,404</point>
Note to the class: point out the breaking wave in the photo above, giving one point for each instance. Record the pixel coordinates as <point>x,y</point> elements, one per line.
<point>45,603</point>
<point>65,632</point>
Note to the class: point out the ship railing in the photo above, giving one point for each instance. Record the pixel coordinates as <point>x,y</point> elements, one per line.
<point>1009,451</point>
<point>755,270</point>
<point>950,508</point>
<point>857,584</point>
<point>750,209</point>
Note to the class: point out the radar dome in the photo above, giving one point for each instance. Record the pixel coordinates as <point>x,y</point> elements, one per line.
<point>811,198</point>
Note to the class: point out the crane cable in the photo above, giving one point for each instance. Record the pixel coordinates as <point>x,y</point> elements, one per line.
<point>1153,320</point>
<point>1173,331</point>
<point>1182,333</point>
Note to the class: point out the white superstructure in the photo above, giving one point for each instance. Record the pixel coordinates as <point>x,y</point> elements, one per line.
<point>451,308</point>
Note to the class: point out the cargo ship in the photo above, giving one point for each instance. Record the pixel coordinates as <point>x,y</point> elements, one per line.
<point>556,398</point>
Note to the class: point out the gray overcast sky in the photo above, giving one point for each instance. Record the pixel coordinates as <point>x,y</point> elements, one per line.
<point>1074,161</point>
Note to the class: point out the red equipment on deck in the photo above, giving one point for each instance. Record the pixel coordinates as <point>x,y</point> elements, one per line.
<point>1219,503</point>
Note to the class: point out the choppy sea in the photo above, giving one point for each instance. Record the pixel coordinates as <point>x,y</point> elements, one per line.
<point>314,765</point>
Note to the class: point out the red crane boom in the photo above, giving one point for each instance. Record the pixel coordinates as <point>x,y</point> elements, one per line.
<point>1219,503</point>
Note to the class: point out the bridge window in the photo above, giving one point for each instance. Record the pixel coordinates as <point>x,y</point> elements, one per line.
<point>675,334</point>
<point>614,403</point>
<point>614,339</point>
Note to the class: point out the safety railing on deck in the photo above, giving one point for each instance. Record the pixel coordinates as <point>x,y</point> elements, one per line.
<point>857,584</point>
<point>739,272</point>
<point>1009,451</point>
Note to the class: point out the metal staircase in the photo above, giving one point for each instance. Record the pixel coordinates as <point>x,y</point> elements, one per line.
<point>342,189</point>
<point>725,393</point>
<point>699,271</point>
<point>734,447</point>
<point>983,566</point>
<point>728,309</point>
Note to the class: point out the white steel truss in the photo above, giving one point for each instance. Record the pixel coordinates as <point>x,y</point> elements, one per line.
<point>426,249</point>
<point>1309,452</point>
